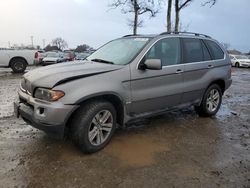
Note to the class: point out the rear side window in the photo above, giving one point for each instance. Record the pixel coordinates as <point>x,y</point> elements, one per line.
<point>214,49</point>
<point>206,55</point>
<point>192,50</point>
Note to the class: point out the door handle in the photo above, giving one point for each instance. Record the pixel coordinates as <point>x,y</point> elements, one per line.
<point>178,71</point>
<point>210,66</point>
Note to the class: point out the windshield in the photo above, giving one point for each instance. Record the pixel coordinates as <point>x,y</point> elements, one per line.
<point>120,51</point>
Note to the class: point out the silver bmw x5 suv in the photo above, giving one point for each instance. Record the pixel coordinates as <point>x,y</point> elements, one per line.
<point>127,78</point>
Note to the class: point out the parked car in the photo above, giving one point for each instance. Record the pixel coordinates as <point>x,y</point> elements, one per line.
<point>82,56</point>
<point>128,78</point>
<point>69,55</point>
<point>39,55</point>
<point>53,57</point>
<point>17,60</point>
<point>240,60</point>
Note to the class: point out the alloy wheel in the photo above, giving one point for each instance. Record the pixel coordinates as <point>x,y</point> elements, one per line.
<point>100,127</point>
<point>213,100</point>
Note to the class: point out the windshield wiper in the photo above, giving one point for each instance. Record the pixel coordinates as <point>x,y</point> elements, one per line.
<point>102,61</point>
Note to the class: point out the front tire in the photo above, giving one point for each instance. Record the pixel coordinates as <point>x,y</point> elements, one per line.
<point>237,64</point>
<point>18,65</point>
<point>211,101</point>
<point>93,126</point>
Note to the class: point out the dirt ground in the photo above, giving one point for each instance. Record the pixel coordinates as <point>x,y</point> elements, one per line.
<point>178,149</point>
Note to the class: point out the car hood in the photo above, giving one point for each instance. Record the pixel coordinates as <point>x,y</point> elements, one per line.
<point>53,75</point>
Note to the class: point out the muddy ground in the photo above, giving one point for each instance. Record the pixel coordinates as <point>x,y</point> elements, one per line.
<point>178,149</point>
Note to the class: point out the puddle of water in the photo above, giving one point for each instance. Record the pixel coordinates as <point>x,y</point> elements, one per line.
<point>135,149</point>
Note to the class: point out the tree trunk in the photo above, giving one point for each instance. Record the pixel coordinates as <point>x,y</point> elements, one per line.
<point>177,20</point>
<point>135,23</point>
<point>136,9</point>
<point>177,16</point>
<point>169,16</point>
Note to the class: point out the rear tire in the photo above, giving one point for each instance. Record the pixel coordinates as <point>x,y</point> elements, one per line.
<point>211,101</point>
<point>18,65</point>
<point>93,126</point>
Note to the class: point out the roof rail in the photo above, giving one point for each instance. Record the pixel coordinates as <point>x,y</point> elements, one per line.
<point>131,35</point>
<point>188,33</point>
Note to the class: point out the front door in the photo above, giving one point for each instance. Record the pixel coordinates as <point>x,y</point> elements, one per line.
<point>158,89</point>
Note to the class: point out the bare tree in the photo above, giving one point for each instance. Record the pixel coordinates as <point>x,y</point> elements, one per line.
<point>51,48</point>
<point>169,11</point>
<point>180,4</point>
<point>209,2</point>
<point>83,48</point>
<point>138,8</point>
<point>60,43</point>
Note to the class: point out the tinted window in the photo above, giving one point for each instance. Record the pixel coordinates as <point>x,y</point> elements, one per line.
<point>206,55</point>
<point>167,50</point>
<point>214,49</point>
<point>192,50</point>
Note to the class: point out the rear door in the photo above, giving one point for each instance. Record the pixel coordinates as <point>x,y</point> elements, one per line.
<point>158,89</point>
<point>197,61</point>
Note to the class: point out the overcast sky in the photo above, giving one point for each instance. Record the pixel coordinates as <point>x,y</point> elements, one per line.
<point>90,22</point>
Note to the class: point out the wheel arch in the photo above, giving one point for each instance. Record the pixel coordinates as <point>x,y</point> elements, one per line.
<point>111,97</point>
<point>221,83</point>
<point>17,57</point>
<point>237,62</point>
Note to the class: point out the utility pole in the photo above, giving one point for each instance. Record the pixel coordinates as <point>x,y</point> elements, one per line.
<point>32,44</point>
<point>43,43</point>
<point>9,43</point>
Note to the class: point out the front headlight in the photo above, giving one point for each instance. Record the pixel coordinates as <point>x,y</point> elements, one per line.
<point>48,94</point>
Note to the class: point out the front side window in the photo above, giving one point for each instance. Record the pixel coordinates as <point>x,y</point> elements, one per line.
<point>120,51</point>
<point>167,50</point>
<point>192,50</point>
<point>215,50</point>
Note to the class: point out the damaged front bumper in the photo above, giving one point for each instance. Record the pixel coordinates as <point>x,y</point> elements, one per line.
<point>51,117</point>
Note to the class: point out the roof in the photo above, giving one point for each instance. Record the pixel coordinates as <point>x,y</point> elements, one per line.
<point>171,33</point>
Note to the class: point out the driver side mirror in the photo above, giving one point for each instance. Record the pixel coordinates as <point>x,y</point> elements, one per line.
<point>151,64</point>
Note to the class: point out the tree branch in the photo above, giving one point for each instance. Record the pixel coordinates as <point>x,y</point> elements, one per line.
<point>211,2</point>
<point>118,3</point>
<point>144,10</point>
<point>184,4</point>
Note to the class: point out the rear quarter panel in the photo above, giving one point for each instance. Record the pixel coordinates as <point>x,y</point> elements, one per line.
<point>28,55</point>
<point>4,58</point>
